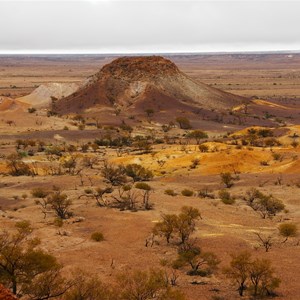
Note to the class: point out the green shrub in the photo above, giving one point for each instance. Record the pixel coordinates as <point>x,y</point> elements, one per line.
<point>225,197</point>
<point>170,192</point>
<point>266,205</point>
<point>264,163</point>
<point>195,163</point>
<point>39,193</point>
<point>187,193</point>
<point>288,230</point>
<point>206,193</point>
<point>24,196</point>
<point>294,144</point>
<point>97,236</point>
<point>138,172</point>
<point>203,148</point>
<point>277,156</point>
<point>88,191</point>
<point>227,179</point>
<point>31,110</point>
<point>143,186</point>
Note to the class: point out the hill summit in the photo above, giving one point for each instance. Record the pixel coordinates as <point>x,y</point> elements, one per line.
<point>138,68</point>
<point>135,83</point>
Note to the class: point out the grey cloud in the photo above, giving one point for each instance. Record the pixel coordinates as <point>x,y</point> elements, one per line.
<point>117,26</point>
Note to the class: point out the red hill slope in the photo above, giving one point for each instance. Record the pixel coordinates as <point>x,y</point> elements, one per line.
<point>145,82</point>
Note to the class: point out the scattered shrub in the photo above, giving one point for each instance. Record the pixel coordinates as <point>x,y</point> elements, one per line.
<point>227,179</point>
<point>195,163</point>
<point>138,172</point>
<point>266,205</point>
<point>277,156</point>
<point>225,197</point>
<point>170,192</point>
<point>288,230</point>
<point>97,236</point>
<point>187,193</point>
<point>264,163</point>
<point>206,193</point>
<point>203,148</point>
<point>31,110</point>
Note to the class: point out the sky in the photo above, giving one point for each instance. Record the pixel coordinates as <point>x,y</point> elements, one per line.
<point>143,26</point>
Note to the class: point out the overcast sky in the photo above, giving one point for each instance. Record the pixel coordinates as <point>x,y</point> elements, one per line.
<point>110,26</point>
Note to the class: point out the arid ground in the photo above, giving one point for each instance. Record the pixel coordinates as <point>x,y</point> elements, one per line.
<point>258,148</point>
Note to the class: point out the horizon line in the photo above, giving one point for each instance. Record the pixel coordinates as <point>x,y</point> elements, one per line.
<point>146,53</point>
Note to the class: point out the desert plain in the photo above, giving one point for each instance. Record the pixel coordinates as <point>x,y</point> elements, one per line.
<point>254,144</point>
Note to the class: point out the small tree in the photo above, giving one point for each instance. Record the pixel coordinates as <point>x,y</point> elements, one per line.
<point>183,225</point>
<point>42,200</point>
<point>269,206</point>
<point>48,285</point>
<point>70,164</point>
<point>238,270</point>
<point>149,112</point>
<point>146,189</point>
<point>88,287</point>
<point>17,167</point>
<point>146,285</point>
<point>21,262</point>
<point>186,222</point>
<point>98,195</point>
<point>288,230</point>
<point>265,241</point>
<point>262,278</point>
<point>60,203</point>
<point>198,135</point>
<point>126,198</point>
<point>196,259</point>
<point>166,227</point>
<point>138,172</point>
<point>257,275</point>
<point>115,175</point>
